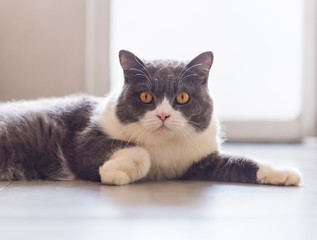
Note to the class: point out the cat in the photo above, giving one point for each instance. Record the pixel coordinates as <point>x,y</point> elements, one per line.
<point>161,126</point>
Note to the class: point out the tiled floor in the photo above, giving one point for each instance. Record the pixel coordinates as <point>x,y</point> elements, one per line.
<point>167,210</point>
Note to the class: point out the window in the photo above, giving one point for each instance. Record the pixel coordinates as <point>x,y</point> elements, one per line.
<point>258,74</point>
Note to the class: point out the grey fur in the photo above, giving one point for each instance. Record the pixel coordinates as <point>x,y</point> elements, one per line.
<point>58,139</point>
<point>223,168</point>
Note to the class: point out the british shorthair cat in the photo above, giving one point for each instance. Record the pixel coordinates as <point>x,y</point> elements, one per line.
<point>161,126</point>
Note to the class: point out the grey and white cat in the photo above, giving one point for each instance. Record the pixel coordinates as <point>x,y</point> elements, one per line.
<point>161,126</point>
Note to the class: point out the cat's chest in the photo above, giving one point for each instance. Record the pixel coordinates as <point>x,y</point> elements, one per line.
<point>172,159</point>
<point>170,156</point>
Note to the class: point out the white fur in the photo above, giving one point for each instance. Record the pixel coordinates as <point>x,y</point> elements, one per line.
<point>268,174</point>
<point>125,166</point>
<point>172,148</point>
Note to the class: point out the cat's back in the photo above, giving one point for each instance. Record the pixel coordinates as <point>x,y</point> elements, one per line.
<point>50,106</point>
<point>70,110</point>
<point>34,133</point>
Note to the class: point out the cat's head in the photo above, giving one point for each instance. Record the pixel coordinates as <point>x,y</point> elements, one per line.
<point>165,97</point>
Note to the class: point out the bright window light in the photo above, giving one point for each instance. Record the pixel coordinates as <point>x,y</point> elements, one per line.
<point>257,71</point>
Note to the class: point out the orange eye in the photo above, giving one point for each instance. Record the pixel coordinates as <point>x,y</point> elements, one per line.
<point>182,97</point>
<point>146,97</point>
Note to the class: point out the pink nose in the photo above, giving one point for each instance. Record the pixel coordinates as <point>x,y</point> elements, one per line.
<point>163,116</point>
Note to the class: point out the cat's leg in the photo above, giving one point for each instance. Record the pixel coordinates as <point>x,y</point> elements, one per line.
<point>125,166</point>
<point>221,167</point>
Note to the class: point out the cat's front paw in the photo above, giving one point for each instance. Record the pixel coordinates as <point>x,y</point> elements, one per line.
<point>113,176</point>
<point>125,166</point>
<point>268,174</point>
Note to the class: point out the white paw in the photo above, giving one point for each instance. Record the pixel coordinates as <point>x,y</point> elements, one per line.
<point>125,166</point>
<point>267,174</point>
<point>113,176</point>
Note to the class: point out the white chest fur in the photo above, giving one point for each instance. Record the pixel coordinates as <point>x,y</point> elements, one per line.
<point>170,157</point>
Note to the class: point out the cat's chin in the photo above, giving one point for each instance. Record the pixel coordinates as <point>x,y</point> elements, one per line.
<point>163,131</point>
<point>164,128</point>
<point>166,132</point>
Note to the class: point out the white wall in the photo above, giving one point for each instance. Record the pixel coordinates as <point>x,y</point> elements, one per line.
<point>42,48</point>
<point>258,46</point>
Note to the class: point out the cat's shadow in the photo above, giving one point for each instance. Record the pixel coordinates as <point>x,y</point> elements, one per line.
<point>174,193</point>
<point>154,193</point>
<point>167,193</point>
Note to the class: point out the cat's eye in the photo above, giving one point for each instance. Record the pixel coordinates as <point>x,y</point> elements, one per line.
<point>146,97</point>
<point>182,97</point>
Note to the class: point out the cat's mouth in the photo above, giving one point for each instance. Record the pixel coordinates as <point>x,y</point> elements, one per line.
<point>163,127</point>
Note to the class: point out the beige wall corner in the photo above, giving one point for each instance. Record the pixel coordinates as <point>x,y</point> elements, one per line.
<point>42,48</point>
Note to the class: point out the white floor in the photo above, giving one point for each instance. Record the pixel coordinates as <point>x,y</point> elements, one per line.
<point>167,210</point>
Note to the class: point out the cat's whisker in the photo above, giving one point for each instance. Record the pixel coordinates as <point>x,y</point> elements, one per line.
<point>187,76</point>
<point>149,122</point>
<point>194,142</point>
<point>177,123</point>
<point>188,139</point>
<point>191,142</point>
<point>136,131</point>
<point>141,72</point>
<point>141,135</point>
<point>123,133</point>
<point>184,134</point>
<point>187,132</point>
<point>152,126</point>
<point>180,73</point>
<point>142,66</point>
<point>196,125</point>
<point>138,70</point>
<point>196,65</point>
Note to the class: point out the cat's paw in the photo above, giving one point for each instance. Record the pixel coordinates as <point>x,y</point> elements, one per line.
<point>113,176</point>
<point>125,166</point>
<point>268,174</point>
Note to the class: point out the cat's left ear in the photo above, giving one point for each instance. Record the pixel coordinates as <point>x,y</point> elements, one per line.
<point>201,64</point>
<point>203,61</point>
<point>130,63</point>
<point>128,60</point>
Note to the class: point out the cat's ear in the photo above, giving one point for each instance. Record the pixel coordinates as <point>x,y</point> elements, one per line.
<point>202,61</point>
<point>128,60</point>
<point>200,66</point>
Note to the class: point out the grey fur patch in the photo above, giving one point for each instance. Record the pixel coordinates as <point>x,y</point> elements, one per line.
<point>34,135</point>
<point>223,168</point>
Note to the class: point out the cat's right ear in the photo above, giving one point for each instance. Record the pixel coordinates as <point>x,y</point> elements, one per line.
<point>129,61</point>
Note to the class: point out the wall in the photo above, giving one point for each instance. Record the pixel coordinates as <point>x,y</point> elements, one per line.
<point>42,48</point>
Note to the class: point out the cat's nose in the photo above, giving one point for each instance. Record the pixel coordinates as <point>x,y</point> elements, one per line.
<point>163,116</point>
